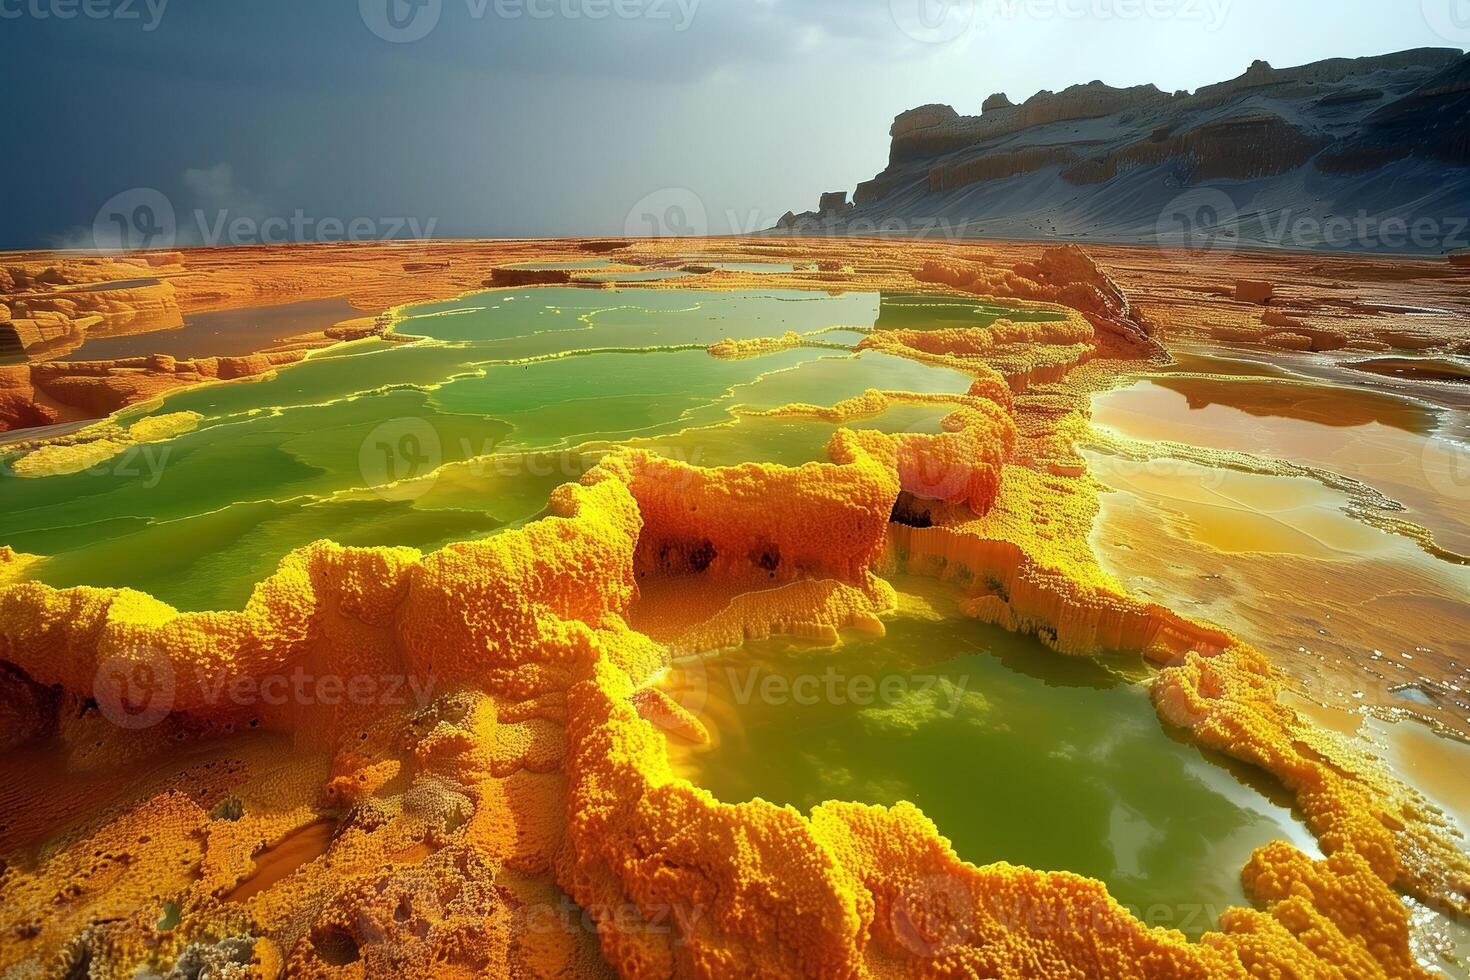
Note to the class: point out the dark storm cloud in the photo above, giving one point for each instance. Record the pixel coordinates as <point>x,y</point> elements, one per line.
<point>275,43</point>
<point>306,105</point>
<point>542,116</point>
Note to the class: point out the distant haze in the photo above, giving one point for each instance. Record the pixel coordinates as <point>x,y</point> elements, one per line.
<point>150,122</point>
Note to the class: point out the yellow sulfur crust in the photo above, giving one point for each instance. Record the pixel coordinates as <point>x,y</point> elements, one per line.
<point>521,818</point>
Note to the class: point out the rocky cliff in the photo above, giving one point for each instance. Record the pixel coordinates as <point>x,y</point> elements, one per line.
<point>1367,154</point>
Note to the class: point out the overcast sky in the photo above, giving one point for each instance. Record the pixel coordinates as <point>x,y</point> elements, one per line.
<point>558,117</point>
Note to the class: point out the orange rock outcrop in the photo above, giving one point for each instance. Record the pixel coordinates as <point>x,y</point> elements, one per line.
<point>1254,291</point>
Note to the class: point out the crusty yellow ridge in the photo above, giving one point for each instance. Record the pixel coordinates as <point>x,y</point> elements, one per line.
<point>517,815</point>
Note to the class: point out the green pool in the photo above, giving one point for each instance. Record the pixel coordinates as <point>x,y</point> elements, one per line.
<point>1018,754</point>
<point>446,437</point>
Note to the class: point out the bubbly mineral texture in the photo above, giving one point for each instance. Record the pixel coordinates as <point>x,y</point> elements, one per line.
<point>515,812</point>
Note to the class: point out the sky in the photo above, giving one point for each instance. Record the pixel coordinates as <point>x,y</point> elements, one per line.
<point>161,122</point>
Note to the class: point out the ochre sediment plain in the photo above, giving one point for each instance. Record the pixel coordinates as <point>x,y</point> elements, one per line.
<point>535,789</point>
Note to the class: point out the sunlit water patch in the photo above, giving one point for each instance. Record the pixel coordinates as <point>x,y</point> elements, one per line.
<point>222,333</point>
<point>1447,370</point>
<point>1246,512</point>
<point>1360,616</point>
<point>1406,450</point>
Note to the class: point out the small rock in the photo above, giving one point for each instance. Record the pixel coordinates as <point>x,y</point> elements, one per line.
<point>1254,291</point>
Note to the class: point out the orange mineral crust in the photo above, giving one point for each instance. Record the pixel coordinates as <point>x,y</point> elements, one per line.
<point>515,813</point>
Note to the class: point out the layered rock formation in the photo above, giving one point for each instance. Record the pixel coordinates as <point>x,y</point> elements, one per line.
<point>1385,136</point>
<point>52,303</point>
<point>50,308</point>
<point>61,391</point>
